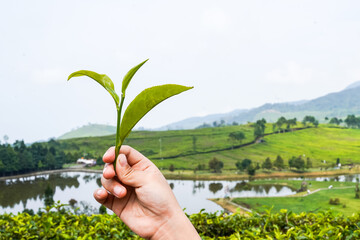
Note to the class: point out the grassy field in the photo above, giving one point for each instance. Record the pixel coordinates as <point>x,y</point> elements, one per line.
<point>185,149</point>
<point>318,201</point>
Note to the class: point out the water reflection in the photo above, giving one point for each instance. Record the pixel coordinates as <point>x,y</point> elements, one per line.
<point>17,194</point>
<point>21,190</point>
<point>215,187</point>
<point>247,190</point>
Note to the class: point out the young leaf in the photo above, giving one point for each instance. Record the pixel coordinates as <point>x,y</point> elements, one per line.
<point>144,102</point>
<point>128,77</point>
<point>104,81</point>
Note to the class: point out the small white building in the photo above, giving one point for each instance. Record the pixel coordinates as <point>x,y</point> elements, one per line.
<point>86,162</point>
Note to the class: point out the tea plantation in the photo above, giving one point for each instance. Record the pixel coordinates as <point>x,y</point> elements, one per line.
<point>281,225</point>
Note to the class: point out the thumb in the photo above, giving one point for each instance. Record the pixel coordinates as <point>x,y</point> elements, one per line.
<point>127,174</point>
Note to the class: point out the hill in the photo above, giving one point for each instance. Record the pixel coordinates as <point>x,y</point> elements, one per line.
<point>339,104</point>
<point>91,130</point>
<point>188,148</point>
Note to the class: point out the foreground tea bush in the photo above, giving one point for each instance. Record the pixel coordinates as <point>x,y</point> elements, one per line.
<point>283,225</point>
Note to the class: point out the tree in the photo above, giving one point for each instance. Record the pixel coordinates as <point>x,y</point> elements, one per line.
<point>251,170</point>
<point>297,162</point>
<point>290,123</point>
<point>171,168</point>
<point>316,123</point>
<point>259,128</point>
<point>352,122</point>
<point>244,164</point>
<point>280,122</point>
<point>279,163</point>
<point>309,119</point>
<point>50,161</point>
<point>237,136</point>
<point>216,165</point>
<point>335,121</point>
<point>267,164</point>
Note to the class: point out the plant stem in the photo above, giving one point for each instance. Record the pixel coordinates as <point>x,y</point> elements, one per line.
<point>118,140</point>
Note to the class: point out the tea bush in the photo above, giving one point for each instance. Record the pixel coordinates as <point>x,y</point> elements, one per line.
<point>281,225</point>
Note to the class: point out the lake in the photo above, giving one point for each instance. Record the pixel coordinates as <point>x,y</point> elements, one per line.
<point>20,193</point>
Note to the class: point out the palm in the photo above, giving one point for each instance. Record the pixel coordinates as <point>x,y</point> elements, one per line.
<point>135,207</point>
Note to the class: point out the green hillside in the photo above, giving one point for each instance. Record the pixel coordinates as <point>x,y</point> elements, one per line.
<point>188,148</point>
<point>92,130</point>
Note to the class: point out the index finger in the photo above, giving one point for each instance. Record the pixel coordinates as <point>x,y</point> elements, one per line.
<point>131,154</point>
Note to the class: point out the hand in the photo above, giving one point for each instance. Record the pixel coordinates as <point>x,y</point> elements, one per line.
<point>139,194</point>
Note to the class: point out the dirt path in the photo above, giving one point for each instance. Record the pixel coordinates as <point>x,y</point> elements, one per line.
<point>230,206</point>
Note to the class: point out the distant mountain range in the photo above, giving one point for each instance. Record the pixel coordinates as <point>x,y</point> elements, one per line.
<point>338,104</point>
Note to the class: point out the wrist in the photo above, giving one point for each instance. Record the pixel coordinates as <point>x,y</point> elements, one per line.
<point>176,227</point>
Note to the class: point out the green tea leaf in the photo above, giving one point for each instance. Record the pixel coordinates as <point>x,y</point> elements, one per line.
<point>128,77</point>
<point>144,102</point>
<point>102,79</point>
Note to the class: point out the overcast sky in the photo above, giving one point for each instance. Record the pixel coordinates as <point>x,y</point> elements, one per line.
<point>237,55</point>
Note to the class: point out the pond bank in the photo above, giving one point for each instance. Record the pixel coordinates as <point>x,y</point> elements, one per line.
<point>233,176</point>
<point>189,175</point>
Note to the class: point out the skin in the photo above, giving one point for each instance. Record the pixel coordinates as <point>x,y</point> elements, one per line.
<point>140,196</point>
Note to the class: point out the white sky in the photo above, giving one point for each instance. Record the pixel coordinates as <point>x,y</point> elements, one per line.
<point>237,54</point>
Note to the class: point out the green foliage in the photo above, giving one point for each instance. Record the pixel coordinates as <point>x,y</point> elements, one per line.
<point>259,128</point>
<point>20,158</point>
<point>334,201</point>
<point>102,79</point>
<point>297,162</point>
<point>310,119</point>
<point>171,168</point>
<point>129,76</point>
<point>140,106</point>
<point>279,162</point>
<point>251,170</point>
<point>144,102</point>
<point>216,165</point>
<point>267,164</point>
<point>237,136</point>
<point>352,122</point>
<point>335,121</point>
<point>279,225</point>
<point>244,164</point>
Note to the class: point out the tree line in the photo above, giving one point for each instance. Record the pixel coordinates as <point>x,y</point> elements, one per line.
<point>19,158</point>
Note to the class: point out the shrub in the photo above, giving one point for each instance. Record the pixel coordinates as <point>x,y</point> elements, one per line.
<point>334,201</point>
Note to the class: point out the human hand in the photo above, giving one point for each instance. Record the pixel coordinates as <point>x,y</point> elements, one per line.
<point>139,194</point>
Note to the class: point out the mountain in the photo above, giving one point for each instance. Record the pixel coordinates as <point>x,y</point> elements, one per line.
<point>353,85</point>
<point>338,104</point>
<point>91,130</point>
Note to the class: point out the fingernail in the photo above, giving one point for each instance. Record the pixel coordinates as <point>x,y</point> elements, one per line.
<point>123,161</point>
<point>98,193</point>
<point>118,190</point>
<point>105,166</point>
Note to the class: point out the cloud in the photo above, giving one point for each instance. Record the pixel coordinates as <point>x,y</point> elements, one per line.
<point>291,73</point>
